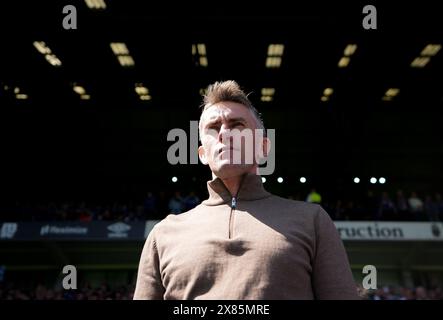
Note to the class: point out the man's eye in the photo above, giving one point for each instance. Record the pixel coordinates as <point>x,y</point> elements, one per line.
<point>214,127</point>
<point>238,124</point>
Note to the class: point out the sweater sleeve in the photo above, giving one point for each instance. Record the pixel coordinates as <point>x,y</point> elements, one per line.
<point>149,285</point>
<point>331,275</point>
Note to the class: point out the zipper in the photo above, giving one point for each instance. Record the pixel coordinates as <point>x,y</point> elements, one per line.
<point>231,217</point>
<point>233,207</point>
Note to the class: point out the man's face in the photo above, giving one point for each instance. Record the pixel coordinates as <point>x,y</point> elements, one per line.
<point>224,153</point>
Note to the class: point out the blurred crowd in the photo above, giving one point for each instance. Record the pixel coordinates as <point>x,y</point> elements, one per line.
<point>370,206</point>
<point>87,292</point>
<point>384,206</point>
<point>151,207</point>
<point>105,292</point>
<point>402,293</point>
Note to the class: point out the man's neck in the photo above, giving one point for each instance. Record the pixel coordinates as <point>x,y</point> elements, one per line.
<point>233,184</point>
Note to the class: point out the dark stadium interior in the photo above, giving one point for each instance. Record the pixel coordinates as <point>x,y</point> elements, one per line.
<point>57,148</point>
<point>114,140</point>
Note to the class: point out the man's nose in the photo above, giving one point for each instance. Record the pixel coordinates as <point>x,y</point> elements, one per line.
<point>224,134</point>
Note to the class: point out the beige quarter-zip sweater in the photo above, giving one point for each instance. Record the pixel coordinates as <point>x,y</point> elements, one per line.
<point>253,246</point>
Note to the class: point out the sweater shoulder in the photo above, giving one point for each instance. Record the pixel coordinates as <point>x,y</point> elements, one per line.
<point>301,207</point>
<point>172,219</point>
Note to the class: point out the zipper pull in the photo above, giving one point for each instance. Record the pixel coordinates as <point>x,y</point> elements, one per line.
<point>233,203</point>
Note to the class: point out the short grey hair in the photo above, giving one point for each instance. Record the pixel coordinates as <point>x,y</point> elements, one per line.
<point>230,91</point>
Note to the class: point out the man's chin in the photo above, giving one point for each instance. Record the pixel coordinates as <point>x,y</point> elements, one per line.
<point>227,170</point>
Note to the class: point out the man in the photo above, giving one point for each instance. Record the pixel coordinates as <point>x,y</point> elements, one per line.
<point>242,242</point>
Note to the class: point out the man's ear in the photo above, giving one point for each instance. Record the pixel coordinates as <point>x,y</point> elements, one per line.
<point>202,156</point>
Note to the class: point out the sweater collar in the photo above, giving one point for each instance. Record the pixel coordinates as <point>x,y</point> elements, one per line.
<point>251,188</point>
